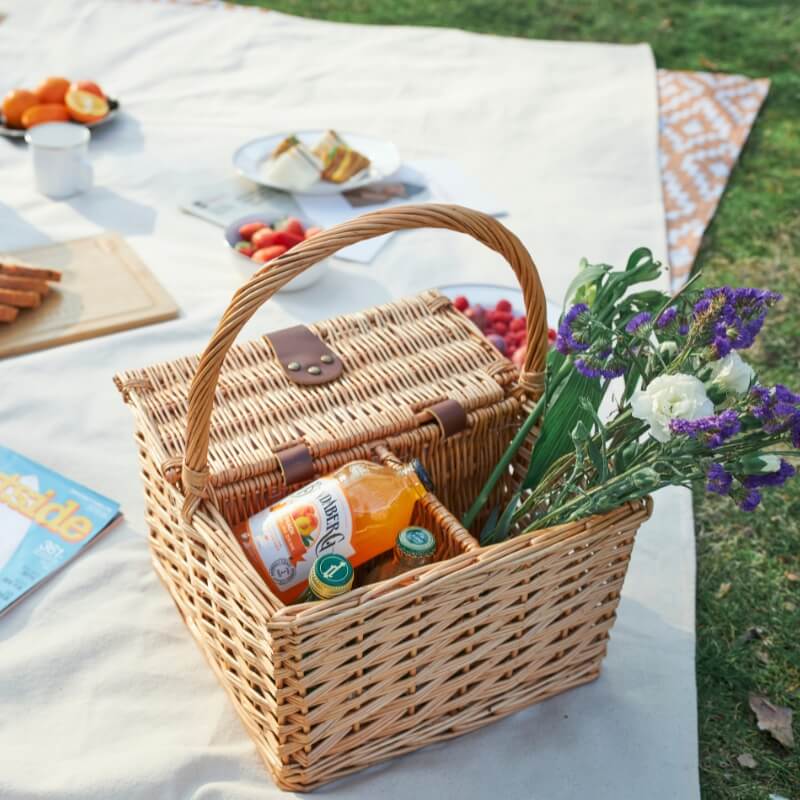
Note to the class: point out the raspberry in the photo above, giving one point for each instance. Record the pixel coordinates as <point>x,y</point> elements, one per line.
<point>461,303</point>
<point>500,328</point>
<point>517,324</point>
<point>503,305</point>
<point>551,335</point>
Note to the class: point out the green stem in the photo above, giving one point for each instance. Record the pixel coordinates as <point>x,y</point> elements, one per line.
<point>501,468</point>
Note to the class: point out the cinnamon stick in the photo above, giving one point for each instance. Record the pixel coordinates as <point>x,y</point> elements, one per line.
<point>8,313</point>
<point>24,284</point>
<point>14,297</point>
<point>16,270</point>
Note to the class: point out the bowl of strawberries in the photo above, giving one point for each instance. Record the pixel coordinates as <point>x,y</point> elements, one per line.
<point>256,240</point>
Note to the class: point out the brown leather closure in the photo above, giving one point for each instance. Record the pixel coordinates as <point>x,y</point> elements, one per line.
<point>450,416</point>
<point>296,464</point>
<point>305,358</point>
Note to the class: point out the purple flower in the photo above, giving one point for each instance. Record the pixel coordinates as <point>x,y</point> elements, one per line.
<point>751,500</point>
<point>593,369</point>
<point>732,318</point>
<point>719,480</point>
<point>642,318</point>
<point>778,410</point>
<point>778,478</point>
<point>712,431</point>
<point>667,317</point>
<point>566,341</point>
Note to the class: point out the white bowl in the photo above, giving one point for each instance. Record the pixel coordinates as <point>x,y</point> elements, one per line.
<point>246,265</point>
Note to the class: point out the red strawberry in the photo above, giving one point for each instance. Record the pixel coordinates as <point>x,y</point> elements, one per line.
<point>287,239</point>
<point>265,237</point>
<point>291,225</point>
<point>503,305</point>
<point>247,230</point>
<point>517,324</point>
<point>268,253</point>
<point>312,232</point>
<point>551,335</point>
<point>518,357</point>
<point>461,303</point>
<point>245,248</point>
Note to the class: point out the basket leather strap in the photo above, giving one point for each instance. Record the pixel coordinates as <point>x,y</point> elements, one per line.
<point>304,357</point>
<point>296,463</point>
<point>450,416</point>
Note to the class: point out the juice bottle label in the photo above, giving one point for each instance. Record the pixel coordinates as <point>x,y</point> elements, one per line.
<point>309,523</point>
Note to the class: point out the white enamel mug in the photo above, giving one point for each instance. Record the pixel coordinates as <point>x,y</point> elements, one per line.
<point>60,152</point>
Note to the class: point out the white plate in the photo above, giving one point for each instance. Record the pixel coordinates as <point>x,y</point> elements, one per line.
<point>383,155</point>
<point>19,133</point>
<point>487,295</point>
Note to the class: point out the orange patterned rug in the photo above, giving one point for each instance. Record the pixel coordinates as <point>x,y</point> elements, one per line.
<point>705,118</point>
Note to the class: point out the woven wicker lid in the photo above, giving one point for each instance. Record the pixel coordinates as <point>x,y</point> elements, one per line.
<point>399,360</point>
<point>224,417</point>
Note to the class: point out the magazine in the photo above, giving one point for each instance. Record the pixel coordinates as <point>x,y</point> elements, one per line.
<point>45,521</point>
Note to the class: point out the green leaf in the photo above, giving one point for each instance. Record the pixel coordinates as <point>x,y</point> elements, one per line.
<point>598,462</point>
<point>587,274</point>
<point>560,419</point>
<point>487,531</point>
<point>501,532</point>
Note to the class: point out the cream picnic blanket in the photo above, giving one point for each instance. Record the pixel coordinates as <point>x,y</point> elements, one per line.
<point>103,693</point>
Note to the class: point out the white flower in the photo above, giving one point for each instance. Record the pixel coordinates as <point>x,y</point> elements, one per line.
<point>771,463</point>
<point>670,397</point>
<point>668,349</point>
<point>732,374</point>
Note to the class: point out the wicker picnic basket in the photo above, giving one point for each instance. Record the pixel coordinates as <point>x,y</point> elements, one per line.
<point>331,687</point>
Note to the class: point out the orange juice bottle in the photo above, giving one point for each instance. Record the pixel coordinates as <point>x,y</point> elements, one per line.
<point>356,511</point>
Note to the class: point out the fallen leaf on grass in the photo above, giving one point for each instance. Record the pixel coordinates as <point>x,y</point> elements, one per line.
<point>724,588</point>
<point>776,720</point>
<point>791,576</point>
<point>747,761</point>
<point>788,606</point>
<point>755,632</point>
<point>665,24</point>
<point>763,656</point>
<point>707,63</point>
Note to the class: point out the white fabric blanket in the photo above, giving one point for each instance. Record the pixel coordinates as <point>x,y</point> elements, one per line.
<point>102,692</point>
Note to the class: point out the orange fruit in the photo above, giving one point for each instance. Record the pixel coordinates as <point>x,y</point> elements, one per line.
<point>45,112</point>
<point>85,106</point>
<point>52,90</point>
<point>15,104</point>
<point>88,86</point>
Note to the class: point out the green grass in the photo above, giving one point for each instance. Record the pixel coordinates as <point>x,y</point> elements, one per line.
<point>755,240</point>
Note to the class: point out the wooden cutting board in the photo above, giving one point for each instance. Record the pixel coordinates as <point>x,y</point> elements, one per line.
<point>104,288</point>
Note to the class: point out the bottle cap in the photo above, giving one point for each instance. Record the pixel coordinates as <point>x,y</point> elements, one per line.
<point>330,576</point>
<point>422,474</point>
<point>416,542</point>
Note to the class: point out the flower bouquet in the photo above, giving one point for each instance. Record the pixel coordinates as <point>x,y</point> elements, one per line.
<point>685,405</point>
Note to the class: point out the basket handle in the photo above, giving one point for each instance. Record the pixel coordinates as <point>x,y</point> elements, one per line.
<point>264,283</point>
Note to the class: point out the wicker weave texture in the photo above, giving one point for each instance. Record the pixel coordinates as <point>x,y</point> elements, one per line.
<point>328,688</point>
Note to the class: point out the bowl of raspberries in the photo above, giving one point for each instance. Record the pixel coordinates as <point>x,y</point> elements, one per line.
<point>498,313</point>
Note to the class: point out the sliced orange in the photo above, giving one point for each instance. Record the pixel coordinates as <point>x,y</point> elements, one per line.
<point>45,112</point>
<point>15,104</point>
<point>88,86</point>
<point>85,106</point>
